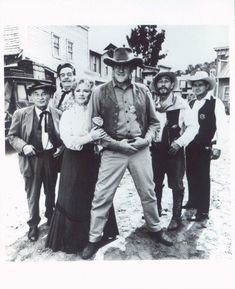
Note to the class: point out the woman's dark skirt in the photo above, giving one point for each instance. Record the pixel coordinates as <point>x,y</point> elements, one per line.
<point>69,229</point>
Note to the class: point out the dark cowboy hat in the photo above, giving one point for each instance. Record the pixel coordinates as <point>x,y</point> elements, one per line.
<point>64,65</point>
<point>123,55</point>
<point>48,87</point>
<point>169,74</point>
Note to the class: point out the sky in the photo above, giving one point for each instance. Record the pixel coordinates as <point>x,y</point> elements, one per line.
<point>184,44</point>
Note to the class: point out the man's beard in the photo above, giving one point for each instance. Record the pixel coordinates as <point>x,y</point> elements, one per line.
<point>163,91</point>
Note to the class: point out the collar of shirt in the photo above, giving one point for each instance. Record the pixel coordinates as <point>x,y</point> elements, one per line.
<point>38,111</point>
<point>115,84</point>
<point>66,91</point>
<point>208,96</point>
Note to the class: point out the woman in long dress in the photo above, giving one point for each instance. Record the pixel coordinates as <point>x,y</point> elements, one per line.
<point>70,224</point>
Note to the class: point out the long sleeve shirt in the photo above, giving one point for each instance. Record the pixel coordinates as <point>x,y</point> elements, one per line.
<point>220,116</point>
<point>187,122</point>
<point>74,125</point>
<point>105,105</point>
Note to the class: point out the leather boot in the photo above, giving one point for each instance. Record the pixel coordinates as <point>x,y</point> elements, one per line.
<point>90,250</point>
<point>177,210</point>
<point>161,237</point>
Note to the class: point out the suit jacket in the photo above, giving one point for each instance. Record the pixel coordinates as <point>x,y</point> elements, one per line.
<point>20,131</point>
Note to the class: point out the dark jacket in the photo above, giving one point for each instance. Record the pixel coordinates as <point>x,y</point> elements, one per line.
<point>20,131</point>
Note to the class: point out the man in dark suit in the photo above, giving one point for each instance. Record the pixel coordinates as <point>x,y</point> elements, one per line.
<point>34,134</point>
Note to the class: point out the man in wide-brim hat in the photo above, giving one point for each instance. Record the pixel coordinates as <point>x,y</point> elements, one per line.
<point>202,76</point>
<point>206,145</point>
<point>178,127</point>
<point>130,122</point>
<point>124,55</point>
<point>34,134</point>
<point>170,75</point>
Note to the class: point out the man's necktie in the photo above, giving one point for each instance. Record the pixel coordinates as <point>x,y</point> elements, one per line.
<point>45,112</point>
<point>62,98</point>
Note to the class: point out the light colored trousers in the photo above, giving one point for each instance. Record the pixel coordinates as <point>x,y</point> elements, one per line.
<point>112,168</point>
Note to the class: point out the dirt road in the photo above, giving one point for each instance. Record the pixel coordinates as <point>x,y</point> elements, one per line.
<point>210,240</point>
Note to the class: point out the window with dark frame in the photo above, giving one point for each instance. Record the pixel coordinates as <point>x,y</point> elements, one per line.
<point>70,50</point>
<point>56,45</point>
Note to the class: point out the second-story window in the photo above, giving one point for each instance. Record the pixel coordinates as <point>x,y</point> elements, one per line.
<point>56,45</point>
<point>94,64</point>
<point>69,50</point>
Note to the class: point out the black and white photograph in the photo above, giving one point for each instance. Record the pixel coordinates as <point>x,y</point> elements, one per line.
<point>117,147</point>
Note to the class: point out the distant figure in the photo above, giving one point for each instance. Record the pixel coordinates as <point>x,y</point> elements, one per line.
<point>206,145</point>
<point>70,225</point>
<point>34,134</point>
<point>63,98</point>
<point>178,127</point>
<point>130,122</point>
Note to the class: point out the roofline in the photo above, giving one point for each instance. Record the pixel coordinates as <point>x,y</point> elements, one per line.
<point>27,78</point>
<point>221,47</point>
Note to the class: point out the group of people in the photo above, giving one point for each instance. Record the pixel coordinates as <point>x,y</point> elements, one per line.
<point>93,135</point>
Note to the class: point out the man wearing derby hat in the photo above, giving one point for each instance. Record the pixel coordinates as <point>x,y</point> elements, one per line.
<point>178,127</point>
<point>130,122</point>
<point>34,134</point>
<point>206,145</point>
<point>63,97</point>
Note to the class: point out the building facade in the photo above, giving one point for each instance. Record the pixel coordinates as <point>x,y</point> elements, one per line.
<point>222,76</point>
<point>49,45</point>
<point>32,53</point>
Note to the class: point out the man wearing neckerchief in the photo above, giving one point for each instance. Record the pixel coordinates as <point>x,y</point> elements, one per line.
<point>178,127</point>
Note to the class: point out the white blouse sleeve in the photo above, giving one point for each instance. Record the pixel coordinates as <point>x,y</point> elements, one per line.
<point>72,141</point>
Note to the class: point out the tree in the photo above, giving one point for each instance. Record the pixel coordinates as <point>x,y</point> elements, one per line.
<point>145,40</point>
<point>206,66</point>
